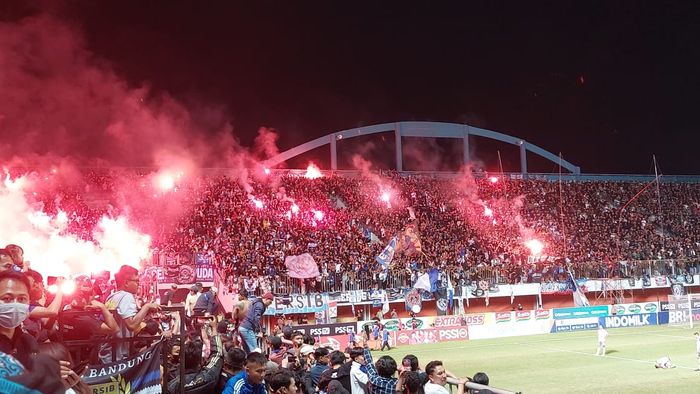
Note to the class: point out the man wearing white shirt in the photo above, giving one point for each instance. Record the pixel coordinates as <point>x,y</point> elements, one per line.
<point>602,337</point>
<point>358,379</point>
<point>437,378</point>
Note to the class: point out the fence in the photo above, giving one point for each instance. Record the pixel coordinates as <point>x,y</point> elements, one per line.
<point>95,344</point>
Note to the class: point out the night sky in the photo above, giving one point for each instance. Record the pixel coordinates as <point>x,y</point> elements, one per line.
<point>605,83</point>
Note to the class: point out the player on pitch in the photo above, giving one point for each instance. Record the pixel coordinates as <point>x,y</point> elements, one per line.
<point>602,337</point>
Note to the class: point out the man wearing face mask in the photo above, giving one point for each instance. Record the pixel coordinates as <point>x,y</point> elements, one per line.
<point>14,309</point>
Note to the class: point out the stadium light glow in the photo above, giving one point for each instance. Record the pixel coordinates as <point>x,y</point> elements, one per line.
<point>266,171</point>
<point>385,196</point>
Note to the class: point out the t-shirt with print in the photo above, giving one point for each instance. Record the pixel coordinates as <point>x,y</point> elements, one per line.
<point>125,304</point>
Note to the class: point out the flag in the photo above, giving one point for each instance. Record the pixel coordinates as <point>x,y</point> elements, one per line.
<point>387,254</point>
<point>411,213</point>
<point>578,294</point>
<point>371,237</point>
<point>385,306</point>
<point>450,293</point>
<point>434,276</point>
<point>512,296</point>
<point>301,266</point>
<point>465,294</point>
<point>423,282</point>
<point>410,240</point>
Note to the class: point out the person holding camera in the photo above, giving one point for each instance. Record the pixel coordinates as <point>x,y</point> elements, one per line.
<point>76,325</point>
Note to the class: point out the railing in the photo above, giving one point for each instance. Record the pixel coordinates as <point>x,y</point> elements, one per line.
<point>363,280</point>
<point>96,343</point>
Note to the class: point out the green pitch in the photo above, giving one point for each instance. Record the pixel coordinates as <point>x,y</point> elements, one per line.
<point>566,362</point>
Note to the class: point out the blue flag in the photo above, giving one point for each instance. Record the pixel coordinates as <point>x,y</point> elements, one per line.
<point>579,296</point>
<point>387,254</point>
<point>434,276</point>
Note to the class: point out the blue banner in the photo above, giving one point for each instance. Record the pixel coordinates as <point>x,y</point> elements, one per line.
<point>642,319</point>
<point>579,312</point>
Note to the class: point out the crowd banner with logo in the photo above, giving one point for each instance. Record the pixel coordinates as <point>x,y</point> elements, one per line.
<point>442,302</point>
<point>638,320</point>
<point>204,268</point>
<point>139,374</point>
<point>186,273</point>
<point>298,303</point>
<point>302,266</point>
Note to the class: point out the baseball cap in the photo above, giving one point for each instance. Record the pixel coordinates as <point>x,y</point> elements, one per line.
<point>306,350</point>
<point>268,296</point>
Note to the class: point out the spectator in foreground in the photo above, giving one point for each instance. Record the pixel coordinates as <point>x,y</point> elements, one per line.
<point>70,376</point>
<point>381,375</point>
<point>201,377</point>
<point>14,309</point>
<point>358,379</point>
<point>234,362</point>
<point>437,378</point>
<point>250,380</point>
<point>130,317</point>
<point>281,381</point>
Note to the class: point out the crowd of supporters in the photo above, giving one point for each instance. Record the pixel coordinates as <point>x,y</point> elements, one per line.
<point>471,227</point>
<point>48,339</point>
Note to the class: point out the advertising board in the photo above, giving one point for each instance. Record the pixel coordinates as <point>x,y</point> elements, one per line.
<point>633,309</point>
<point>508,324</point>
<point>636,320</point>
<point>431,335</point>
<point>580,312</point>
<point>575,324</point>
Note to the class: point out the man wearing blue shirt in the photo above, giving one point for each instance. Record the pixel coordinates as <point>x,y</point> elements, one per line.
<point>250,380</point>
<point>385,338</point>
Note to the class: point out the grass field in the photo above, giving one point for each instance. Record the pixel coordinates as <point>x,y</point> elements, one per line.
<point>566,362</point>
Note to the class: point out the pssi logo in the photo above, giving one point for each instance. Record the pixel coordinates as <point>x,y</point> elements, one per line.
<point>403,338</point>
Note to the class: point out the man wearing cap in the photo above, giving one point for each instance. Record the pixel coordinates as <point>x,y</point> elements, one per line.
<point>249,327</point>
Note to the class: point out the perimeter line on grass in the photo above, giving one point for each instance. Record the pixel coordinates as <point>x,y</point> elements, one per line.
<point>593,355</point>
